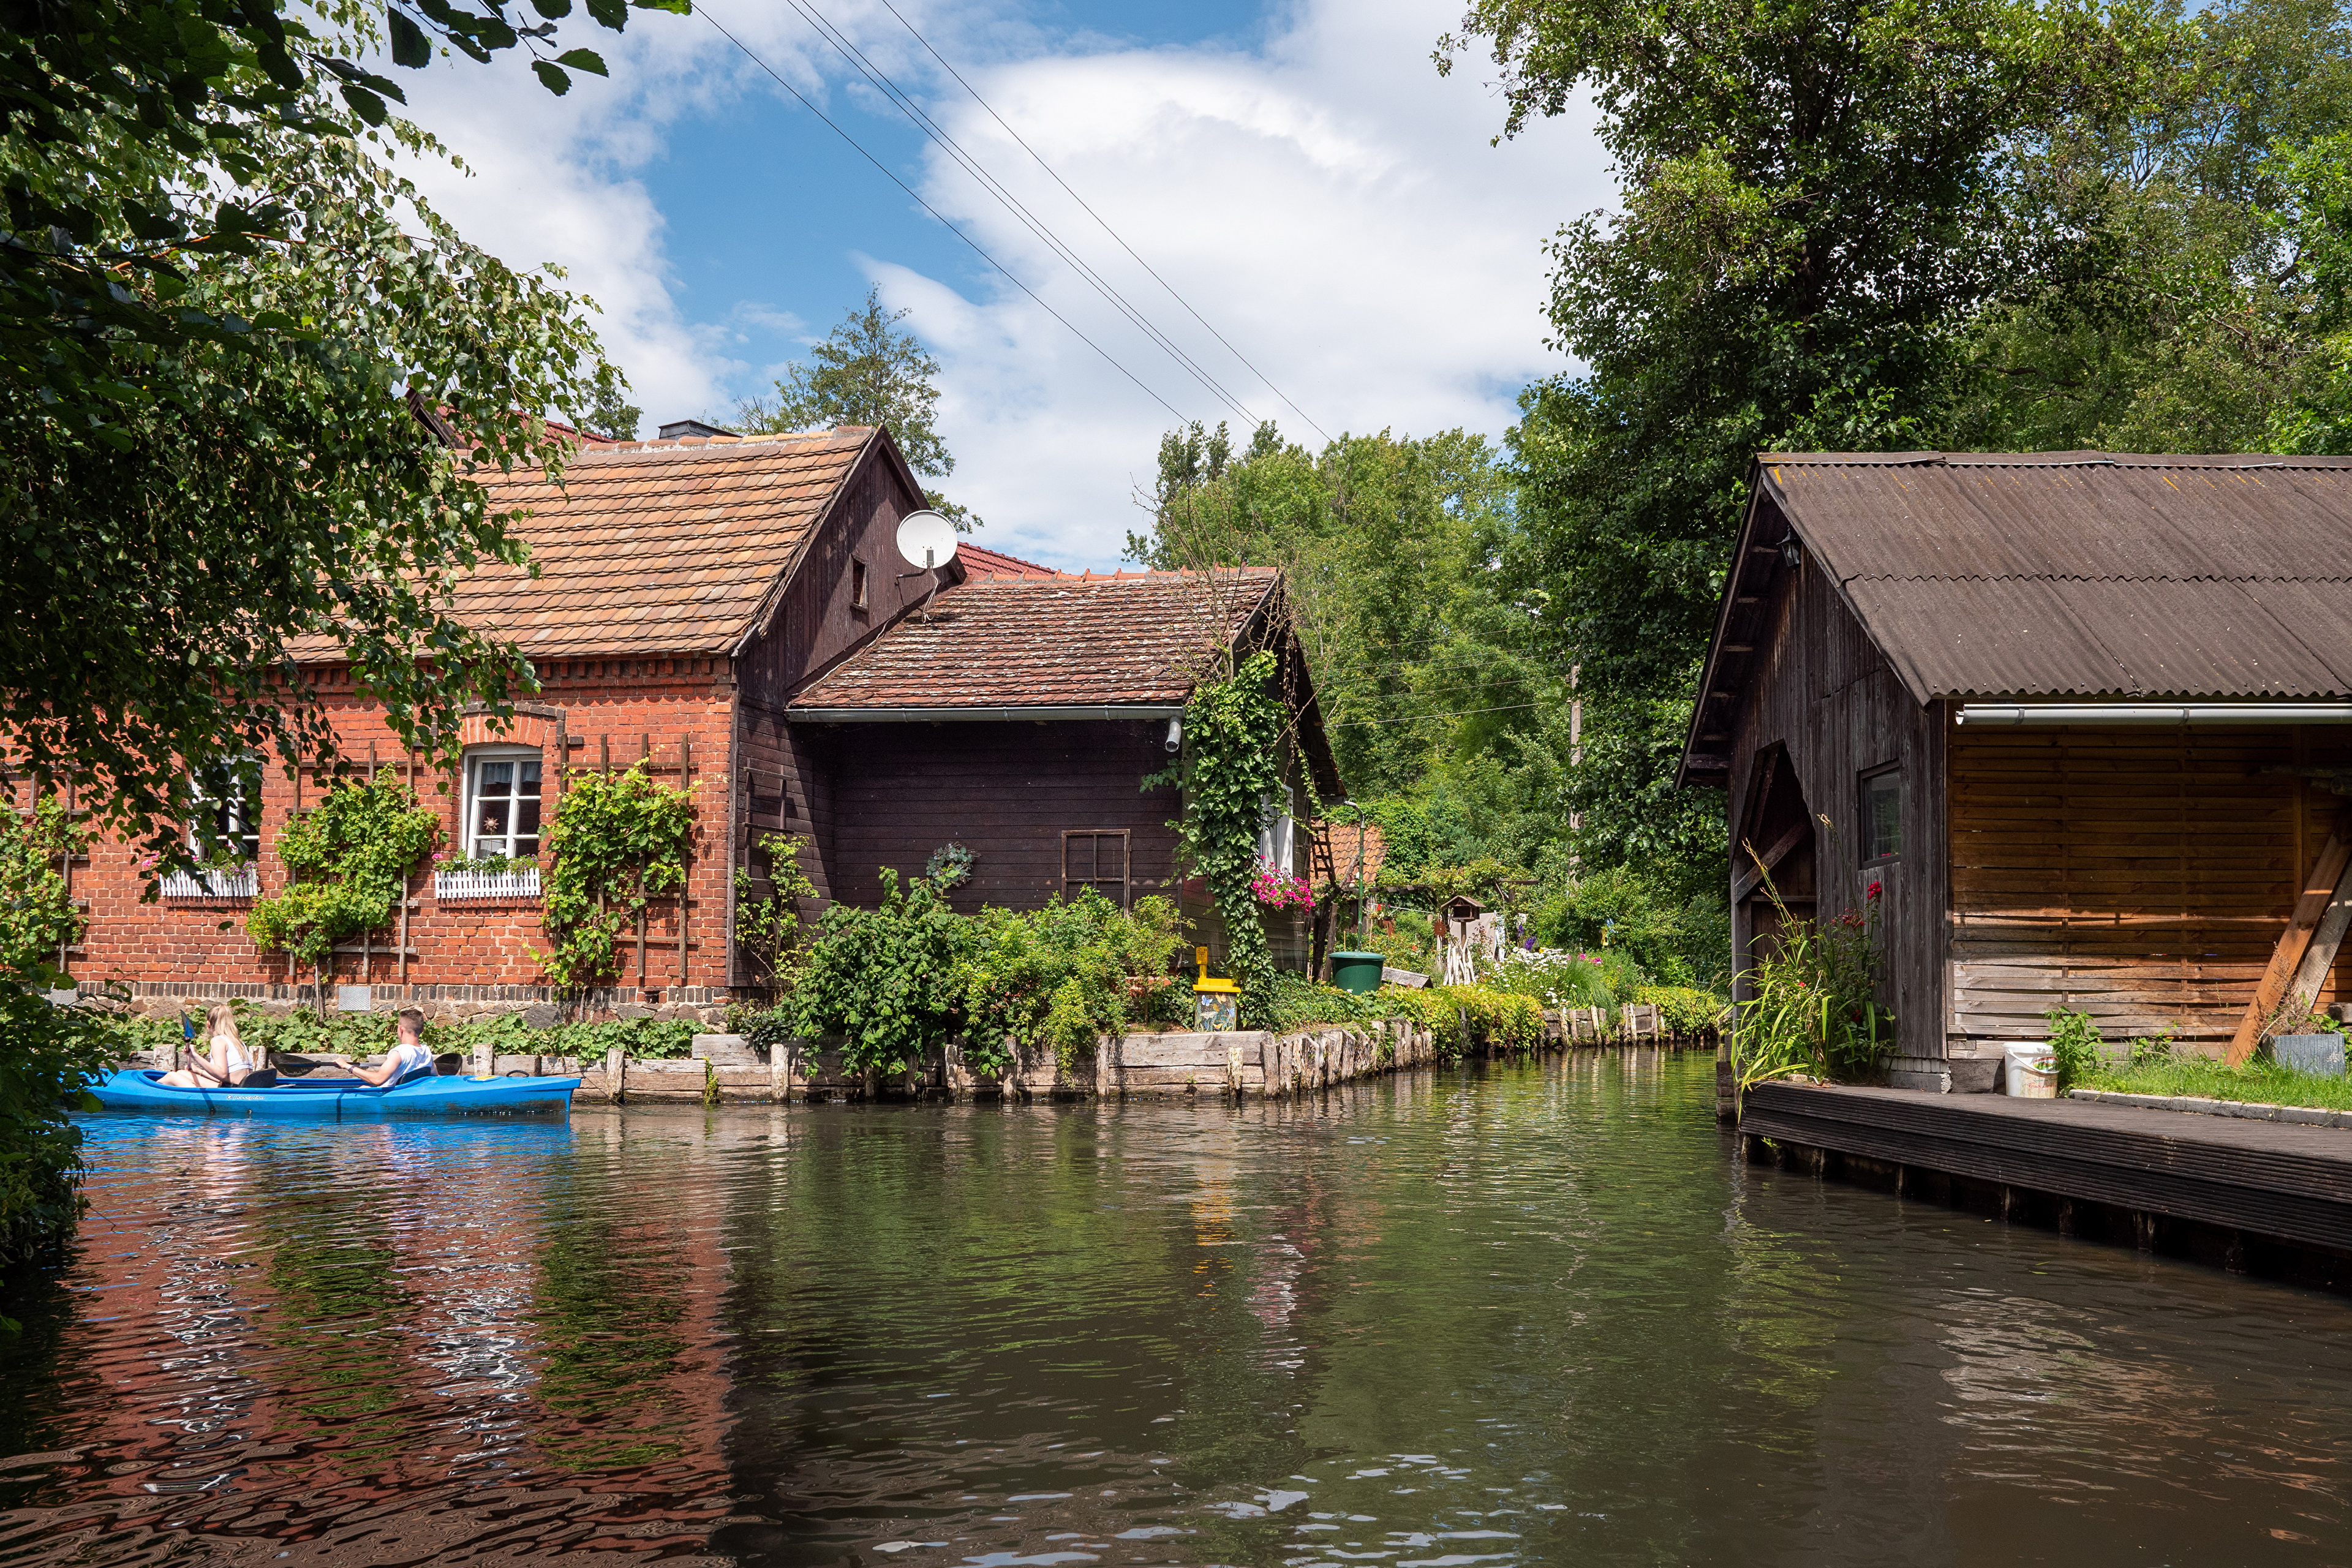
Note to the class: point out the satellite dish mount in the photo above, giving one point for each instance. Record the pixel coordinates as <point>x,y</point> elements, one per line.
<point>927,541</point>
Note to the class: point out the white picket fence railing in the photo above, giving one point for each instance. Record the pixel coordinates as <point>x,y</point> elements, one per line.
<point>448,886</point>
<point>244,882</point>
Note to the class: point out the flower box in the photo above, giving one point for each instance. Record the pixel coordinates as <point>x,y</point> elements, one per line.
<point>233,882</point>
<point>487,887</point>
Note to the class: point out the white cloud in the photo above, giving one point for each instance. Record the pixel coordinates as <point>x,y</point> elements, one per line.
<point>1329,205</point>
<point>1327,202</point>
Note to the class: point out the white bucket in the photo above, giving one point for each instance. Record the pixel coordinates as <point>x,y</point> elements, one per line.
<point>2021,1079</point>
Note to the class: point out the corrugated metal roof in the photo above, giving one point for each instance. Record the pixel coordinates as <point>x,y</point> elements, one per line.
<point>2085,573</point>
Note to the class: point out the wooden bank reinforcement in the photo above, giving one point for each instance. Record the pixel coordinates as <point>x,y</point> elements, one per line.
<point>2254,1197</point>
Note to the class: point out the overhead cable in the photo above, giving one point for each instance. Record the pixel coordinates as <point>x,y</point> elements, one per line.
<point>704,11</point>
<point>921,118</point>
<point>1104,223</point>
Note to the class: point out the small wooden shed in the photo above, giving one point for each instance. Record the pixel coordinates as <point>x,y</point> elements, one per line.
<point>2080,718</point>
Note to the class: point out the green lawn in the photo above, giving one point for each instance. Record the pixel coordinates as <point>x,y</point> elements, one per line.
<point>2260,1082</point>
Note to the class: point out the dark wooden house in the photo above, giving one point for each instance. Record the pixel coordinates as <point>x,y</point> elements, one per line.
<point>2081,719</point>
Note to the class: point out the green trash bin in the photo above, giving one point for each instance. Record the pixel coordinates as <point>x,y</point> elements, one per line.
<point>1357,971</point>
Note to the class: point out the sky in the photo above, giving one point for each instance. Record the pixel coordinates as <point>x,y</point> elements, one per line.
<point>1304,185</point>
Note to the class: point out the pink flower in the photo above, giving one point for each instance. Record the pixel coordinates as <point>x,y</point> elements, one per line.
<point>147,862</point>
<point>439,856</point>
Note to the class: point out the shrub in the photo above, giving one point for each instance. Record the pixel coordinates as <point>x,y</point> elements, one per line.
<point>352,856</point>
<point>1557,979</point>
<point>1461,1016</point>
<point>1684,1010</point>
<point>884,979</point>
<point>2074,1045</point>
<point>1675,940</point>
<point>1059,976</point>
<point>1302,1004</point>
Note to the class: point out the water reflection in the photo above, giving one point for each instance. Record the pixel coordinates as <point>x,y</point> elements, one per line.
<point>1535,1315</point>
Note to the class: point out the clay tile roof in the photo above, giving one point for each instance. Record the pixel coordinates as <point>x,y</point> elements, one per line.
<point>654,546</point>
<point>1049,642</point>
<point>979,562</point>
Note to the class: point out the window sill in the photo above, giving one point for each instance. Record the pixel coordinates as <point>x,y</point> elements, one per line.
<point>244,883</point>
<point>487,887</point>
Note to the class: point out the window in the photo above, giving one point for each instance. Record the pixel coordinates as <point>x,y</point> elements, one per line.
<point>1881,816</point>
<point>224,813</point>
<point>1276,833</point>
<point>502,804</point>
<point>1097,858</point>
<point>857,584</point>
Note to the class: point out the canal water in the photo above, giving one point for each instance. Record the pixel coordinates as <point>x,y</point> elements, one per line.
<point>1518,1315</point>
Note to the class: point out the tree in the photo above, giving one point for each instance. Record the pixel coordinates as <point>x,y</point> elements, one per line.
<point>614,417</point>
<point>2192,318</point>
<point>867,370</point>
<point>304,476</point>
<point>1802,238</point>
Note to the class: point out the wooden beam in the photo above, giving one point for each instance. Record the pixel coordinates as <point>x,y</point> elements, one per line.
<point>1761,864</point>
<point>2327,939</point>
<point>2312,900</point>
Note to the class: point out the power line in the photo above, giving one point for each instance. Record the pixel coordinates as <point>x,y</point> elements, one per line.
<point>705,13</point>
<point>905,103</point>
<point>1104,224</point>
<point>1416,718</point>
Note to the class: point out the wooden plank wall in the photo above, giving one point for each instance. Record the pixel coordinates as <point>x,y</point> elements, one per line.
<point>1006,792</point>
<point>2141,876</point>
<point>1820,686</point>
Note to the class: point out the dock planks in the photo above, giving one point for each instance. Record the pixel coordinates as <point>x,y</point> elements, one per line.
<point>2292,1184</point>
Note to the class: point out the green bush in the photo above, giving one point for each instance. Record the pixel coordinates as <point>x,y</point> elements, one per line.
<point>884,979</point>
<point>1673,940</point>
<point>1303,1004</point>
<point>2074,1045</point>
<point>1462,1016</point>
<point>1556,979</point>
<point>1059,976</point>
<point>1683,1010</point>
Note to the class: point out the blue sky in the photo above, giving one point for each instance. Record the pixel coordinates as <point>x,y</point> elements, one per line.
<point>1299,172</point>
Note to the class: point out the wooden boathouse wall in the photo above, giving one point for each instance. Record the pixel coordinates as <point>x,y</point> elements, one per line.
<point>2142,876</point>
<point>1822,697</point>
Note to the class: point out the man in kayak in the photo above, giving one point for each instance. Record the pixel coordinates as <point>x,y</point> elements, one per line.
<point>408,1058</point>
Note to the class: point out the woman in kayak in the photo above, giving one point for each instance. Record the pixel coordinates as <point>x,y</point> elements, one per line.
<point>225,1063</point>
<point>407,1059</point>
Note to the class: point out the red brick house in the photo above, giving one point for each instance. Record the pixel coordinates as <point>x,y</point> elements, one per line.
<point>735,613</point>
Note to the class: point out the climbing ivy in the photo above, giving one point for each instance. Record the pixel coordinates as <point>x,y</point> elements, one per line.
<point>618,839</point>
<point>1230,763</point>
<point>768,928</point>
<point>349,857</point>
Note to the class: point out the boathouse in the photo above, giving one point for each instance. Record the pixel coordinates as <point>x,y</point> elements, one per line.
<point>733,614</point>
<point>2083,720</point>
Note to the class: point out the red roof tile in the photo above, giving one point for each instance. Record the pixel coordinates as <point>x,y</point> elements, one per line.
<point>1057,641</point>
<point>654,546</point>
<point>979,562</point>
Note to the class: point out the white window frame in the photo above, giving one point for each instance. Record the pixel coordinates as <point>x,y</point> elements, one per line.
<point>475,757</point>
<point>200,801</point>
<point>1277,832</point>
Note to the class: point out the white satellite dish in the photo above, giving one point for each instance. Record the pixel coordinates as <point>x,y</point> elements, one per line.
<point>926,540</point>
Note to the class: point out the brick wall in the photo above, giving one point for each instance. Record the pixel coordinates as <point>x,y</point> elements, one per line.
<point>463,955</point>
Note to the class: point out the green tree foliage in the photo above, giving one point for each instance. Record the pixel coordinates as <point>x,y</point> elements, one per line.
<point>46,1052</point>
<point>618,840</point>
<point>1800,240</point>
<point>351,857</point>
<point>2194,297</point>
<point>2318,219</point>
<point>867,370</point>
<point>247,451</point>
<point>768,923</point>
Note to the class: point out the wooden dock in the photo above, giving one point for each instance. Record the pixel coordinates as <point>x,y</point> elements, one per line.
<point>2260,1197</point>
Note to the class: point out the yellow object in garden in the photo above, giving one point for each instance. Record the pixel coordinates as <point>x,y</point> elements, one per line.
<point>1217,1004</point>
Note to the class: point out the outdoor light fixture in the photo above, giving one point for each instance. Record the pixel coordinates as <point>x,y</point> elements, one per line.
<point>1792,551</point>
<point>1175,734</point>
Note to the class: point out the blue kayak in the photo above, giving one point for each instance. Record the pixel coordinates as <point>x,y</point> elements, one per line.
<point>341,1099</point>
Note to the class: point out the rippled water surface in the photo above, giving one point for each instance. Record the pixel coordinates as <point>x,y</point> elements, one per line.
<point>1525,1315</point>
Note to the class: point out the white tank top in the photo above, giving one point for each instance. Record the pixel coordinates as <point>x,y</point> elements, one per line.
<point>238,1061</point>
<point>406,1059</point>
